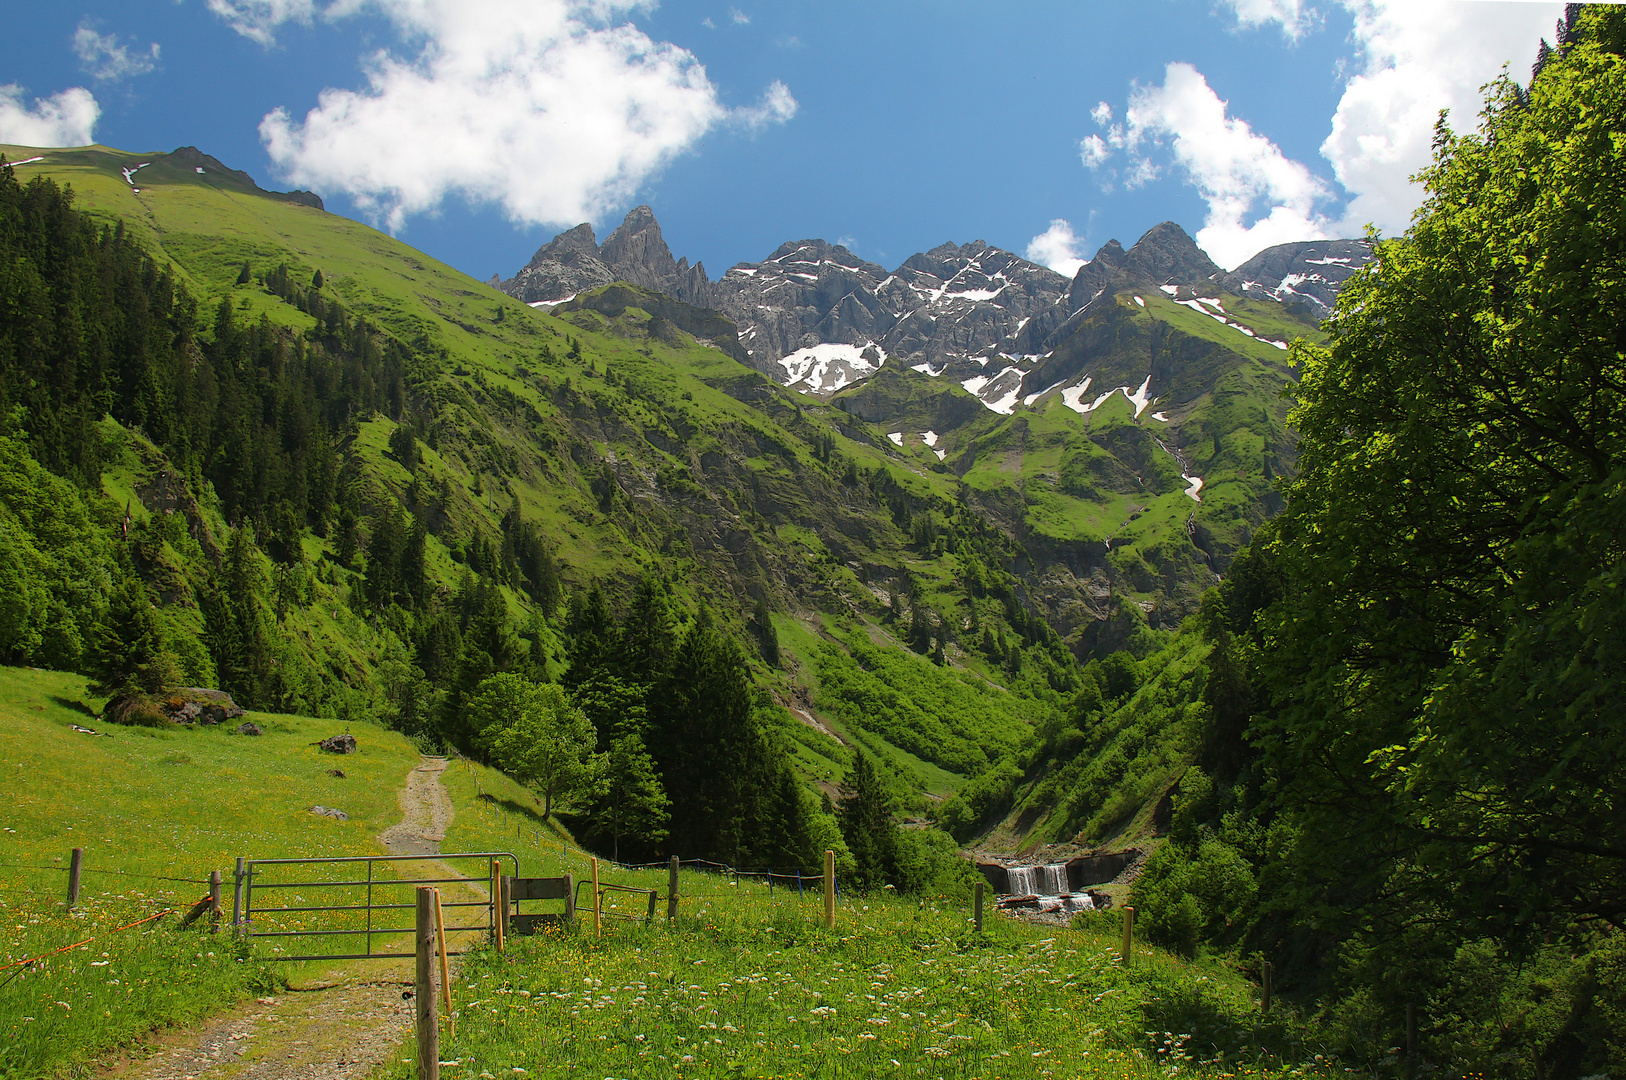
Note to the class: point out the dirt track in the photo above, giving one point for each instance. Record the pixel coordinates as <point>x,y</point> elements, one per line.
<point>339,1026</point>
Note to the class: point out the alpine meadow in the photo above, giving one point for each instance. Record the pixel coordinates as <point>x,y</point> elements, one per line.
<point>1187,667</point>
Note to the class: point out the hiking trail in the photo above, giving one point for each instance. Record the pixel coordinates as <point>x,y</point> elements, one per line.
<point>339,1022</point>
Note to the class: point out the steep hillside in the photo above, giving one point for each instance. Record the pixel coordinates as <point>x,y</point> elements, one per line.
<point>470,453</point>
<point>515,457</point>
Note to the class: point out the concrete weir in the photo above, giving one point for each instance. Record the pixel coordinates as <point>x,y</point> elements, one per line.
<point>1071,876</point>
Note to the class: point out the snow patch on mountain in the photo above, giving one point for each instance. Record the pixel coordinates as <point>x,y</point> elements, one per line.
<point>827,367</point>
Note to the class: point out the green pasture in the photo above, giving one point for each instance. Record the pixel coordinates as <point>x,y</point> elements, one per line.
<point>744,983</point>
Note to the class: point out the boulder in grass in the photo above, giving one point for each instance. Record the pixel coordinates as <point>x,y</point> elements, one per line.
<point>197,705</point>
<point>247,728</point>
<point>329,811</point>
<point>339,744</point>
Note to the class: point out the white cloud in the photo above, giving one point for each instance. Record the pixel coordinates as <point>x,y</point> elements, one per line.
<point>545,107</point>
<point>103,58</point>
<point>776,107</point>
<point>1293,16</point>
<point>1236,170</point>
<point>740,18</point>
<point>1101,114</point>
<point>1057,248</point>
<point>1416,59</point>
<point>259,19</point>
<point>1094,151</point>
<point>64,119</point>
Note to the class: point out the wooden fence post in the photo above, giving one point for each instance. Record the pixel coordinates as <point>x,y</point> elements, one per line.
<point>424,989</point>
<point>214,901</point>
<point>829,890</point>
<point>1266,979</point>
<point>76,861</point>
<point>672,889</point>
<point>598,915</point>
<point>505,893</point>
<point>496,904</point>
<point>1128,951</point>
<point>440,947</point>
<point>977,919</point>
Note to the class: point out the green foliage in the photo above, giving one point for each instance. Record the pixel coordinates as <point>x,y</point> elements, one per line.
<point>988,791</point>
<point>1194,892</point>
<point>865,814</point>
<point>56,565</point>
<point>631,803</point>
<point>946,716</point>
<point>1445,664</point>
<point>128,655</point>
<point>536,735</point>
<point>927,862</point>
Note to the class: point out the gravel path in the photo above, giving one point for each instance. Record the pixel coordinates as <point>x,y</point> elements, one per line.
<point>426,810</point>
<point>342,1026</point>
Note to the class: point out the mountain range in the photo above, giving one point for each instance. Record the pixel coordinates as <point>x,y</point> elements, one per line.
<point>971,457</point>
<point>818,318</point>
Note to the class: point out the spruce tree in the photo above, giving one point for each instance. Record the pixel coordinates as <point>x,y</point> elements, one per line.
<point>128,655</point>
<point>865,815</point>
<point>632,804</point>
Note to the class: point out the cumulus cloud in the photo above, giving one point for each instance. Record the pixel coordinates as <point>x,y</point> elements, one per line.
<point>1294,17</point>
<point>1414,60</point>
<point>776,107</point>
<point>64,119</point>
<point>740,18</point>
<point>259,19</point>
<point>105,60</point>
<point>1094,151</point>
<point>1057,248</point>
<point>544,107</point>
<point>1256,195</point>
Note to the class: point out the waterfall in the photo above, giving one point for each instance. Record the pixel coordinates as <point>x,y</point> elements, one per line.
<point>1037,880</point>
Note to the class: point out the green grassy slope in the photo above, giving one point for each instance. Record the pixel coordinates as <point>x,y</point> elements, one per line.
<point>640,448</point>
<point>155,811</point>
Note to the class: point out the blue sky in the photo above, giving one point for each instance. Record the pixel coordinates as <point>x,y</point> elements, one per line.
<point>476,129</point>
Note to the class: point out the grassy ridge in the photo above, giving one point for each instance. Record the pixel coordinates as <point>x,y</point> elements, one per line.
<point>154,811</point>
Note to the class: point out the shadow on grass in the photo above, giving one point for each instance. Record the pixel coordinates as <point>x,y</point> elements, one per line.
<point>72,706</point>
<point>512,806</point>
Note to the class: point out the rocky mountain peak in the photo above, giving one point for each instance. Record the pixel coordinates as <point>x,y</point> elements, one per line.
<point>638,242</point>
<point>635,252</point>
<point>580,240</point>
<point>816,316</point>
<point>1167,255</point>
<point>1308,273</point>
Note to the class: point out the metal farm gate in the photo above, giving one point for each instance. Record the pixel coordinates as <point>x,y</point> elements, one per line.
<point>352,904</point>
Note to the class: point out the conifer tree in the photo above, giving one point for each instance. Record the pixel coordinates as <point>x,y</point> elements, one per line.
<point>865,814</point>
<point>632,803</point>
<point>128,653</point>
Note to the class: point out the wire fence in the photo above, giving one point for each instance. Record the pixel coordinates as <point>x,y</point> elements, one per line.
<point>805,880</point>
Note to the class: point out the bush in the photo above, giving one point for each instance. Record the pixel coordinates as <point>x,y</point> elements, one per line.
<point>929,864</point>
<point>1188,894</point>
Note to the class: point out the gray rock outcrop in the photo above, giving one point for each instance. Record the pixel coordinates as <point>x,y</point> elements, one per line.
<point>1309,273</point>
<point>815,316</point>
